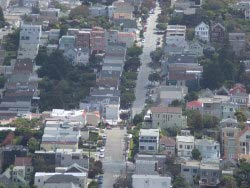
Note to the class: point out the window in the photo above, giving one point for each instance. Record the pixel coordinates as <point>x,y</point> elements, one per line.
<point>195,171</point>
<point>151,148</point>
<point>142,147</point>
<point>180,146</point>
<point>38,180</point>
<point>186,170</point>
<point>248,137</point>
<point>188,147</point>
<point>215,174</point>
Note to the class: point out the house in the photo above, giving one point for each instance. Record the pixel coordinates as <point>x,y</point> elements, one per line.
<point>167,94</point>
<point>194,105</point>
<point>244,139</point>
<point>66,43</point>
<point>218,33</point>
<point>219,106</point>
<point>83,39</point>
<point>144,167</point>
<point>161,159</point>
<point>98,39</point>
<point>68,157</point>
<point>247,14</point>
<point>184,144</point>
<point>30,3</point>
<point>127,38</point>
<point>209,149</point>
<point>237,42</point>
<point>239,96</point>
<point>92,118</point>
<point>30,36</point>
<point>126,25</point>
<point>230,141</point>
<point>54,34</point>
<point>60,134</point>
<point>23,168</point>
<point>108,79</point>
<point>53,180</point>
<point>123,10</point>
<point>167,145</point>
<point>166,117</point>
<point>9,153</point>
<point>77,56</point>
<point>202,32</point>
<point>189,170</point>
<point>175,34</point>
<point>210,174</point>
<point>195,48</point>
<point>72,168</point>
<point>149,140</point>
<point>151,181</point>
<point>229,122</point>
<point>98,10</point>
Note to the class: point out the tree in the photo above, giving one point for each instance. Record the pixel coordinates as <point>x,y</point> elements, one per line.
<point>2,185</point>
<point>161,26</point>
<point>194,119</point>
<point>180,182</point>
<point>210,121</point>
<point>241,117</point>
<point>2,81</point>
<point>134,51</point>
<point>228,182</point>
<point>191,96</point>
<point>176,103</point>
<point>2,20</point>
<point>242,174</point>
<point>154,77</point>
<point>196,155</point>
<point>138,118</point>
<point>156,55</point>
<point>93,184</point>
<point>33,145</point>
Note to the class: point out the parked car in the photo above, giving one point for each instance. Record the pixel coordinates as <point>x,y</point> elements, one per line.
<point>143,40</point>
<point>101,155</point>
<point>104,137</point>
<point>102,149</point>
<point>109,127</point>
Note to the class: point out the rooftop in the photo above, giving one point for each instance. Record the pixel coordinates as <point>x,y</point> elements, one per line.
<point>159,109</point>
<point>167,141</point>
<point>184,138</point>
<point>23,161</point>
<point>149,132</point>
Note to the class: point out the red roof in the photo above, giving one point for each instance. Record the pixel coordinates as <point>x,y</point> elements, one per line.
<point>23,161</point>
<point>167,141</point>
<point>193,104</point>
<point>238,88</point>
<point>247,128</point>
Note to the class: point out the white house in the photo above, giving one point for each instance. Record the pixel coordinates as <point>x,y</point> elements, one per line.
<point>244,139</point>
<point>149,140</point>
<point>209,149</point>
<point>150,181</point>
<point>202,32</point>
<point>184,144</point>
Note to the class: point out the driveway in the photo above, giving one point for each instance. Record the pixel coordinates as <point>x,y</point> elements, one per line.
<point>145,70</point>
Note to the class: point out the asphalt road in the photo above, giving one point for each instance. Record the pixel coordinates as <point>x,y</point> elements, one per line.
<point>142,79</point>
<point>114,160</point>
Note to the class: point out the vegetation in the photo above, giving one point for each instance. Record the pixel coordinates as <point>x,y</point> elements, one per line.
<point>2,81</point>
<point>180,182</point>
<point>2,20</point>
<point>242,174</point>
<point>95,168</point>
<point>138,118</point>
<point>196,155</point>
<point>11,42</point>
<point>63,85</point>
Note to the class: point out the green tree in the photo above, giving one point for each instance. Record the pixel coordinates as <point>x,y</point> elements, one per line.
<point>191,96</point>
<point>180,182</point>
<point>134,51</point>
<point>2,81</point>
<point>228,182</point>
<point>241,117</point>
<point>154,77</point>
<point>93,184</point>
<point>194,119</point>
<point>33,145</point>
<point>138,118</point>
<point>176,103</point>
<point>242,174</point>
<point>156,55</point>
<point>2,20</point>
<point>161,26</point>
<point>2,185</point>
<point>210,121</point>
<point>196,155</point>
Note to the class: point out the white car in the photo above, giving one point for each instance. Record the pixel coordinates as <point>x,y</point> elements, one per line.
<point>101,155</point>
<point>143,40</point>
<point>102,149</point>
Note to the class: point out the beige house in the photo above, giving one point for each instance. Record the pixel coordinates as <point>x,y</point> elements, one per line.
<point>166,117</point>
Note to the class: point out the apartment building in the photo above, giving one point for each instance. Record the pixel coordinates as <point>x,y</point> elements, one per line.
<point>149,140</point>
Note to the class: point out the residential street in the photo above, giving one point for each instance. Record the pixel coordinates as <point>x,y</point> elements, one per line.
<point>114,160</point>
<point>142,79</point>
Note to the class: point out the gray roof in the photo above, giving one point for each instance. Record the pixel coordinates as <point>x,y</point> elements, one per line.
<point>145,167</point>
<point>60,178</point>
<point>186,59</point>
<point>102,99</point>
<point>126,23</point>
<point>109,74</point>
